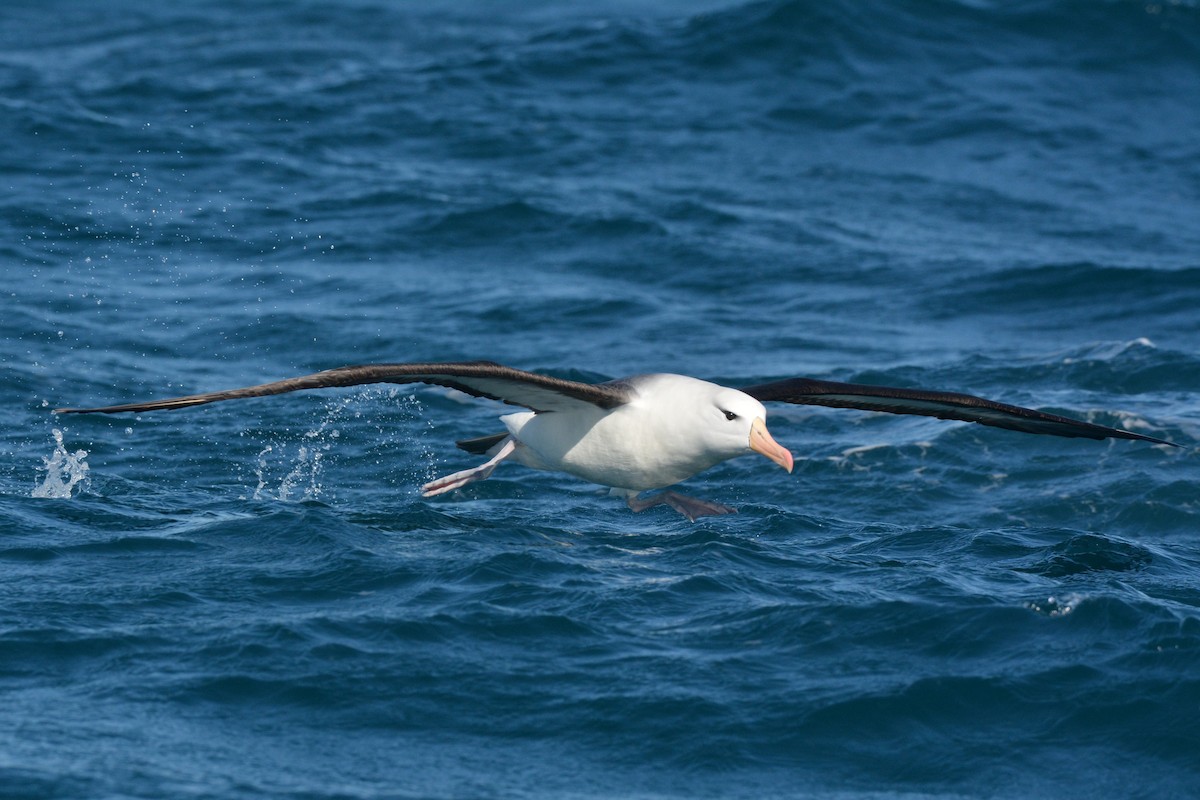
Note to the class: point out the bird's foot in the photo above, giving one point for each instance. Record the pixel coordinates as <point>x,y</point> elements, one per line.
<point>459,479</point>
<point>691,507</point>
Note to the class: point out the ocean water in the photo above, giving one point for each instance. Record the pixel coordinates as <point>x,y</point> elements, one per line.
<point>251,599</point>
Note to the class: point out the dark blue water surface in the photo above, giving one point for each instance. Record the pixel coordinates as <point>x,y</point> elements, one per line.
<point>251,600</point>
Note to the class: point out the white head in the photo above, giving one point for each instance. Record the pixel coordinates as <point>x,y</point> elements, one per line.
<point>705,423</point>
<point>739,423</point>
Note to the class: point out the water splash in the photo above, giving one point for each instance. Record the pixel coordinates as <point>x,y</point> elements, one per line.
<point>303,480</point>
<point>64,470</point>
<point>307,459</point>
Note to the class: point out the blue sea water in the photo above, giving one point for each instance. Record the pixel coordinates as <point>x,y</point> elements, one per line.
<point>251,600</point>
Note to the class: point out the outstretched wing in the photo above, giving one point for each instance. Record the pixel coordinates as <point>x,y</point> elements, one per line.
<point>479,378</point>
<point>943,405</point>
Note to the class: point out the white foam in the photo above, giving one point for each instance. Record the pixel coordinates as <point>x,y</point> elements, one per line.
<point>1106,351</point>
<point>1056,606</point>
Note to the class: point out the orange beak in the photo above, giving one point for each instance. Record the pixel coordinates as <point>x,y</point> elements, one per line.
<point>761,442</point>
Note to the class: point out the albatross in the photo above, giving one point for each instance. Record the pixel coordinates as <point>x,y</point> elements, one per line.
<point>644,432</point>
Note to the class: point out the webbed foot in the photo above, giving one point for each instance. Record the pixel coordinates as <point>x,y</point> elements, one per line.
<point>691,507</point>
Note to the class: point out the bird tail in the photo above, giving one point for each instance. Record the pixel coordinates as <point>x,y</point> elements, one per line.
<point>480,445</point>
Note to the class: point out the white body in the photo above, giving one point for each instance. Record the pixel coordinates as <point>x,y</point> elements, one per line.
<point>673,428</point>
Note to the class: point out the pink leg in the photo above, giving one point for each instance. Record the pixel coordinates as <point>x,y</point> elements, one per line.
<point>459,479</point>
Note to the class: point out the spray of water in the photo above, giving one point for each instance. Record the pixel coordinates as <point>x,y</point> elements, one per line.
<point>64,471</point>
<point>303,480</point>
<point>306,459</point>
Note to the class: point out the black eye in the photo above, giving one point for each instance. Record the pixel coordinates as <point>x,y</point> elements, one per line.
<point>729,415</point>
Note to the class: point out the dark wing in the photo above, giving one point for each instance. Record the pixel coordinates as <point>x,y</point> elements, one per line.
<point>943,405</point>
<point>478,378</point>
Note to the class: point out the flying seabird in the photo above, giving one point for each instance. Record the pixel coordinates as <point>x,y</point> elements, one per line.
<point>644,432</point>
